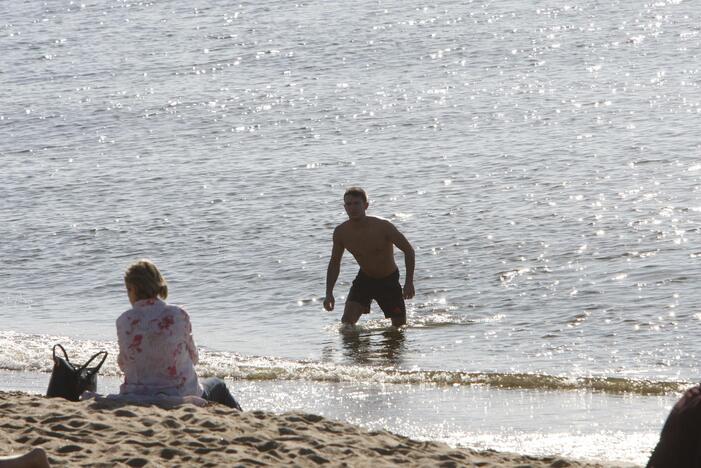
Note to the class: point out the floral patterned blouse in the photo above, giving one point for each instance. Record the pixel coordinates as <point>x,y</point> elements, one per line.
<point>156,350</point>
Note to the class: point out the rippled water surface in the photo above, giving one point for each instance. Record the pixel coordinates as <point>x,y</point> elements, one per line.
<point>543,159</point>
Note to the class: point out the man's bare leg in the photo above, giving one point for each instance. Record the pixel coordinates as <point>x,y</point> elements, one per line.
<point>398,321</point>
<point>352,312</point>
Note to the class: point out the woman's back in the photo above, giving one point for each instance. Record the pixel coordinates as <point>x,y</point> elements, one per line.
<point>156,351</point>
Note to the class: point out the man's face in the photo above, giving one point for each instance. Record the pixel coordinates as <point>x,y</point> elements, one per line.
<point>355,206</point>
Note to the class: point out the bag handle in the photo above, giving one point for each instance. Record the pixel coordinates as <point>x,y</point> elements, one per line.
<point>62,349</point>
<point>96,368</point>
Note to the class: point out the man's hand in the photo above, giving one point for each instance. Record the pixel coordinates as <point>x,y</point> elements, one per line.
<point>408,290</point>
<point>329,302</point>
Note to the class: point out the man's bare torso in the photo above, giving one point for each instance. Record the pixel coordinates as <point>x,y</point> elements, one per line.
<point>368,239</point>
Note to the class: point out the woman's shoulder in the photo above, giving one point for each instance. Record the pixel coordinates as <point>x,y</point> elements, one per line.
<point>125,316</point>
<point>176,310</point>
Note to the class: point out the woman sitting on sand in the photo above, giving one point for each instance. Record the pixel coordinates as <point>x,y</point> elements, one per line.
<point>156,350</point>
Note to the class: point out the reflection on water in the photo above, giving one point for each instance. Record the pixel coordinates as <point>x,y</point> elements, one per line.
<point>363,347</point>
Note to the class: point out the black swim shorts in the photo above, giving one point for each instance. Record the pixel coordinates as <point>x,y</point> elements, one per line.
<point>386,291</point>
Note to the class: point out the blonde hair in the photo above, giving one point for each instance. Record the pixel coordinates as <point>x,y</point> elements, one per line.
<point>146,279</point>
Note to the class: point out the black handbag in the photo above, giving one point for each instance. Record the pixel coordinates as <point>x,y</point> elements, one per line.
<point>69,380</point>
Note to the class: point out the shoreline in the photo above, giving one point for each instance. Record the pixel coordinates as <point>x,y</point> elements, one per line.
<point>109,433</point>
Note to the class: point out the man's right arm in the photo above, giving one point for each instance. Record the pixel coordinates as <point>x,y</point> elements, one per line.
<point>333,270</point>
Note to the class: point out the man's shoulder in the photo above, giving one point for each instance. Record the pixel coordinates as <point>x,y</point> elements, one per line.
<point>342,227</point>
<point>341,231</point>
<point>380,223</point>
<point>372,221</point>
<point>379,220</point>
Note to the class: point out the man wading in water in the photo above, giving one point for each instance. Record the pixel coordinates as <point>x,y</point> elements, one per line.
<point>371,240</point>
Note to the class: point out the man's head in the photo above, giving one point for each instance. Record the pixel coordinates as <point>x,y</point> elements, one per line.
<point>356,192</point>
<point>355,201</point>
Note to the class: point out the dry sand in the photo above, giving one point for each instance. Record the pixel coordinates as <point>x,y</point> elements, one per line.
<point>109,433</point>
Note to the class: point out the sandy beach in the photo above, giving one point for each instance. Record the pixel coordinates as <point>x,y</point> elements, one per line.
<point>109,433</point>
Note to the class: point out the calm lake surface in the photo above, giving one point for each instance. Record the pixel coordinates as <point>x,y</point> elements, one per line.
<point>543,159</point>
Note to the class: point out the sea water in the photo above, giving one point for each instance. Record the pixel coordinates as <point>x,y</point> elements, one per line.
<point>542,158</point>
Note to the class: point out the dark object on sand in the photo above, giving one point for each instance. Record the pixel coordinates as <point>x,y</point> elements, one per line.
<point>69,380</point>
<point>680,440</point>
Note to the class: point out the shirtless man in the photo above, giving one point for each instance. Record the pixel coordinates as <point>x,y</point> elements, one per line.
<point>371,240</point>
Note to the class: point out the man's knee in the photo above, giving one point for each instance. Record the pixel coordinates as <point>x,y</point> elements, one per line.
<point>353,311</point>
<point>350,317</point>
<point>395,311</point>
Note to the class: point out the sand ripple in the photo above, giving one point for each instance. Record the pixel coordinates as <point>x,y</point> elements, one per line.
<point>109,433</point>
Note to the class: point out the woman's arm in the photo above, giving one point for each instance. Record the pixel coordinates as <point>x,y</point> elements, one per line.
<point>189,340</point>
<point>121,357</point>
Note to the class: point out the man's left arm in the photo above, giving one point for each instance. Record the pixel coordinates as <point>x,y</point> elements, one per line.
<point>403,244</point>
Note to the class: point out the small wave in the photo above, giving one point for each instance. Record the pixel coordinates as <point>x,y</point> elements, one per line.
<point>330,373</point>
<point>33,353</point>
<point>437,314</point>
<point>439,319</point>
<point>508,276</point>
<point>19,352</point>
<point>276,369</point>
<point>432,317</point>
